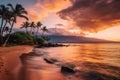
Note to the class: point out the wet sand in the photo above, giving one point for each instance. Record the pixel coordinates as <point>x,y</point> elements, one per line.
<point>9,60</point>
<point>33,68</point>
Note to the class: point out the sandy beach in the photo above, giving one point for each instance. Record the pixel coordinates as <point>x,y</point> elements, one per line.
<point>9,59</point>
<point>33,66</point>
<point>11,67</point>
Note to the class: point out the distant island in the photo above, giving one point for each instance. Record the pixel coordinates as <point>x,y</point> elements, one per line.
<point>76,39</point>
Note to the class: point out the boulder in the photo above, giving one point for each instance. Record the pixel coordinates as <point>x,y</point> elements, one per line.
<point>65,69</point>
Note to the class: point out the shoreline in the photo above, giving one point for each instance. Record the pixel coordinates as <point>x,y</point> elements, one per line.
<point>13,69</point>
<point>9,59</point>
<point>26,63</point>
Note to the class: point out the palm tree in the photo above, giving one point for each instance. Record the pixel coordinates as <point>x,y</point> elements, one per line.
<point>25,25</point>
<point>39,24</point>
<point>7,19</point>
<point>44,29</point>
<point>18,11</point>
<point>5,15</point>
<point>32,26</point>
<point>3,12</point>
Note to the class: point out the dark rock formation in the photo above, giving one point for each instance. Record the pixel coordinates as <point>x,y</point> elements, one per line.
<point>51,60</point>
<point>48,61</point>
<point>65,69</point>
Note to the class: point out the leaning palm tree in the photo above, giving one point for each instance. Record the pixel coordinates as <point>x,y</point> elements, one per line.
<point>7,19</point>
<point>25,25</point>
<point>38,26</point>
<point>18,11</point>
<point>44,29</point>
<point>5,15</point>
<point>3,12</point>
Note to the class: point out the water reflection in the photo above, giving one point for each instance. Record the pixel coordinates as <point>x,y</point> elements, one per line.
<point>35,68</point>
<point>91,62</point>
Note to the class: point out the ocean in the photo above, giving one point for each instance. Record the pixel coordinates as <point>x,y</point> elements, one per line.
<point>98,61</point>
<point>93,61</point>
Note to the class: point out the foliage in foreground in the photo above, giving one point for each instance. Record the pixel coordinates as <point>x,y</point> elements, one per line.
<point>20,38</point>
<point>23,38</point>
<point>8,16</point>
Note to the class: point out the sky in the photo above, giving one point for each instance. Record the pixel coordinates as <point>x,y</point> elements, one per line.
<point>87,18</point>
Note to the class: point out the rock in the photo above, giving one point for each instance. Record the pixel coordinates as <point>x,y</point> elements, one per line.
<point>51,60</point>
<point>65,69</point>
<point>54,60</point>
<point>48,61</point>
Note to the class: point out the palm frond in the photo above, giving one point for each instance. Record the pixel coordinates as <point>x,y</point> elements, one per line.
<point>23,17</point>
<point>23,12</point>
<point>10,5</point>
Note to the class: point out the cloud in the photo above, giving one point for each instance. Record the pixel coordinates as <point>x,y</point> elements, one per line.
<point>63,31</point>
<point>92,15</point>
<point>42,8</point>
<point>53,5</point>
<point>60,25</point>
<point>58,31</point>
<point>35,15</point>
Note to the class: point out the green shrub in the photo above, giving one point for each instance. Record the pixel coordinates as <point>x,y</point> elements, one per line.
<point>40,41</point>
<point>11,44</point>
<point>20,38</point>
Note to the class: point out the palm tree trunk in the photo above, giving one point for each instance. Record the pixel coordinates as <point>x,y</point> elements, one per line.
<point>2,30</point>
<point>37,32</point>
<point>43,33</point>
<point>26,30</point>
<point>1,27</point>
<point>1,41</point>
<point>31,30</point>
<point>4,44</point>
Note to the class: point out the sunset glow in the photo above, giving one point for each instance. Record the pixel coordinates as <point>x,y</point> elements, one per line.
<point>108,34</point>
<point>59,39</point>
<point>75,16</point>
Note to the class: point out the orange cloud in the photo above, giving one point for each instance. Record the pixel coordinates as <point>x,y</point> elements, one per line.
<point>56,5</point>
<point>36,15</point>
<point>41,10</point>
<point>92,15</point>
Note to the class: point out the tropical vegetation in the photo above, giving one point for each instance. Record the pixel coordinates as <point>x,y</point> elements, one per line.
<point>8,17</point>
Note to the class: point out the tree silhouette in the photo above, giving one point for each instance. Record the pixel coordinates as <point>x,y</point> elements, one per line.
<point>26,25</point>
<point>38,26</point>
<point>3,12</point>
<point>18,11</point>
<point>32,26</point>
<point>44,29</point>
